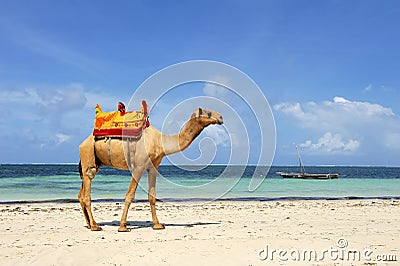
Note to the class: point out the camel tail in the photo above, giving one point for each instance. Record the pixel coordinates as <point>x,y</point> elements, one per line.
<point>80,169</point>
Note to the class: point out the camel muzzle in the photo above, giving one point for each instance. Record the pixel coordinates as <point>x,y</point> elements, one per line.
<point>220,121</point>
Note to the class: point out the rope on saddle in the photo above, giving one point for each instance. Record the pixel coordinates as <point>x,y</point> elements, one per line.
<point>109,150</point>
<point>128,153</point>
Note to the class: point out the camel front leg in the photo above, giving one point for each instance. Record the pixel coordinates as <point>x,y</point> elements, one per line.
<point>85,213</point>
<point>152,174</point>
<point>129,197</point>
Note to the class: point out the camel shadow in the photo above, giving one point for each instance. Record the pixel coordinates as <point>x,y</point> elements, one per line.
<point>146,224</point>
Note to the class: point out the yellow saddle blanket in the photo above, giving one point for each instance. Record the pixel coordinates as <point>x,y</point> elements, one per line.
<point>121,123</point>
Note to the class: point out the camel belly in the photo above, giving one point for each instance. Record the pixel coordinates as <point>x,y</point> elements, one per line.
<point>110,152</point>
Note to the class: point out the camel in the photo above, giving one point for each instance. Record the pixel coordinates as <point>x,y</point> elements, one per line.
<point>144,154</point>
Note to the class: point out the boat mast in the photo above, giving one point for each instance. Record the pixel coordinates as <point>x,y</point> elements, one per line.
<point>302,171</point>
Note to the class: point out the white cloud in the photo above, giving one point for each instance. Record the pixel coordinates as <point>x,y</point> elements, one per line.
<point>293,109</point>
<point>45,117</point>
<point>27,95</point>
<point>218,134</point>
<point>344,125</point>
<point>61,100</point>
<point>340,110</point>
<point>340,100</point>
<point>359,108</point>
<point>331,143</point>
<point>46,99</point>
<point>61,138</point>
<point>368,88</point>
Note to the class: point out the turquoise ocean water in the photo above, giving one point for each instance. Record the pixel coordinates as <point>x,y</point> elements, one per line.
<point>62,183</point>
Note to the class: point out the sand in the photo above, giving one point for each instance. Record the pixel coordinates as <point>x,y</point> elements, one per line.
<point>216,233</point>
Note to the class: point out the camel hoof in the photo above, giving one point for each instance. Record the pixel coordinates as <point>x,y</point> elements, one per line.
<point>158,227</point>
<point>123,229</point>
<point>95,228</point>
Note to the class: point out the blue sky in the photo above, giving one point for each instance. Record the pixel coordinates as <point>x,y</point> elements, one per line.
<point>329,69</point>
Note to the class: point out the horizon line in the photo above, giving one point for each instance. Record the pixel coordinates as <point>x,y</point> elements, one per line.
<point>288,165</point>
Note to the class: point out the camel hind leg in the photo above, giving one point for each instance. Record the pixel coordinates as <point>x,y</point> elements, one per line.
<point>85,200</point>
<point>87,170</point>
<point>80,197</point>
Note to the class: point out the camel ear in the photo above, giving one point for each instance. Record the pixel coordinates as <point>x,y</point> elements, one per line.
<point>197,113</point>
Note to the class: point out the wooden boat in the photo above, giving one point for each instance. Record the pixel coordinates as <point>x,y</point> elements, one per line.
<point>308,176</point>
<point>304,175</point>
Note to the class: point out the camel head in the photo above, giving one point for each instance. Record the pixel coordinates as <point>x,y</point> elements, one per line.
<point>206,117</point>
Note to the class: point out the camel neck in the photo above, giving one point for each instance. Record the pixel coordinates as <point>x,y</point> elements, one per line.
<point>179,142</point>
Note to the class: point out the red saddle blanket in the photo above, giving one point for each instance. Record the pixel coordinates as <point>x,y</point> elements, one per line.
<point>121,123</point>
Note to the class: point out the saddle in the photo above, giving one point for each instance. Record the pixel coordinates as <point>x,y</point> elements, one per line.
<point>121,123</point>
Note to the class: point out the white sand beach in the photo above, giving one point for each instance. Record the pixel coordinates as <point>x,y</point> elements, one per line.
<point>216,233</point>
